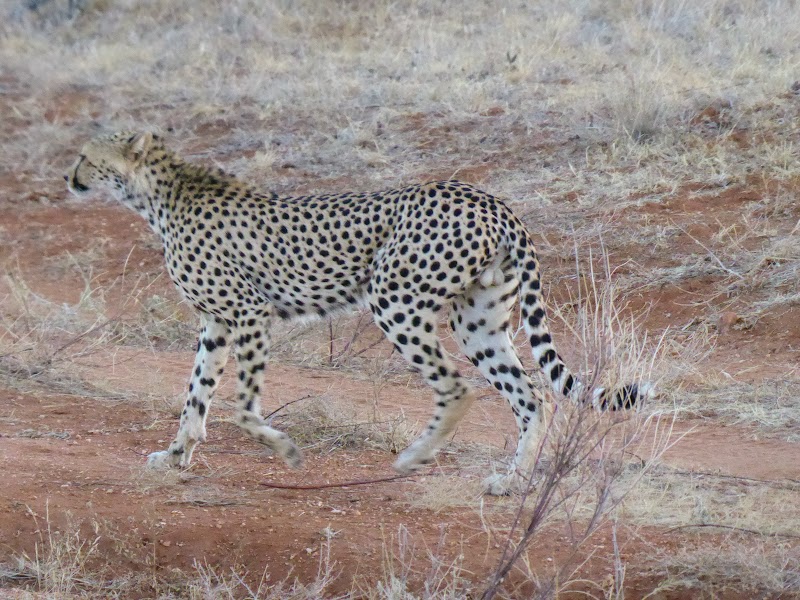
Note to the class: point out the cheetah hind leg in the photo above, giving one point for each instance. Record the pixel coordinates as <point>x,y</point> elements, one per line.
<point>423,450</point>
<point>480,321</point>
<point>415,338</point>
<point>277,441</point>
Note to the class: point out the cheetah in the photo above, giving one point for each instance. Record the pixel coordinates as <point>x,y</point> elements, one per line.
<point>244,257</point>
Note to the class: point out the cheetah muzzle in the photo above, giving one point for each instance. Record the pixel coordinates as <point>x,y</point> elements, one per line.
<point>243,257</point>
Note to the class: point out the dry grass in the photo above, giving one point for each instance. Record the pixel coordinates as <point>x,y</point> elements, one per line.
<point>673,499</point>
<point>348,342</point>
<point>770,406</point>
<point>64,565</point>
<point>324,424</point>
<point>734,566</point>
<point>211,583</point>
<point>44,344</point>
<point>553,69</point>
<point>435,576</point>
<point>39,338</point>
<point>755,526</point>
<point>58,567</point>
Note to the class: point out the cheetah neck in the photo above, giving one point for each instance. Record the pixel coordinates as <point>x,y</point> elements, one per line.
<point>164,183</point>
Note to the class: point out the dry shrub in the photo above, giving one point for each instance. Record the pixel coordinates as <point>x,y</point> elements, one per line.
<point>584,455</point>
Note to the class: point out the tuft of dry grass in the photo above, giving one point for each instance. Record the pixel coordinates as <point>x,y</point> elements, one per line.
<point>213,583</point>
<point>438,576</point>
<point>684,500</point>
<point>325,424</point>
<point>43,343</point>
<point>345,342</point>
<point>38,338</point>
<point>734,566</point>
<point>770,406</point>
<point>58,567</point>
<point>445,492</point>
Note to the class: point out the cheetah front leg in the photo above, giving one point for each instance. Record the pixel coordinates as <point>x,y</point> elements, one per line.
<point>212,353</point>
<point>252,347</point>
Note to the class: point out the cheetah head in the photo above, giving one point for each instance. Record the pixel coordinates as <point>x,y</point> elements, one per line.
<point>109,163</point>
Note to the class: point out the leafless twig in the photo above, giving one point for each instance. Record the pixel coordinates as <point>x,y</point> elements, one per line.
<point>732,528</point>
<point>280,408</point>
<point>320,486</point>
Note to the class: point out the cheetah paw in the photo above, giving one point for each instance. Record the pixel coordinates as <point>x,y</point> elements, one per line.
<point>497,485</point>
<point>160,460</point>
<point>504,484</point>
<point>413,458</point>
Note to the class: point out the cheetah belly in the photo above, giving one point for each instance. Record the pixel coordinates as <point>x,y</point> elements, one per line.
<point>295,299</point>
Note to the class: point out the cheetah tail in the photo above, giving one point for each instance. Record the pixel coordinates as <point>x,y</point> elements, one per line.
<point>526,267</point>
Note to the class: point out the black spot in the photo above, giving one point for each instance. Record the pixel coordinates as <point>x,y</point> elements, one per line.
<point>547,357</point>
<point>569,383</point>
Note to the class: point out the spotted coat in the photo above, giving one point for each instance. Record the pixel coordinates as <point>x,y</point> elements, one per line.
<point>243,257</point>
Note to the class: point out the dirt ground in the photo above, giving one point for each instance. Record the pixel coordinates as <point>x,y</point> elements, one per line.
<point>96,349</point>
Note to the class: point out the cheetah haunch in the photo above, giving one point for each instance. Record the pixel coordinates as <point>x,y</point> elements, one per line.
<point>243,257</point>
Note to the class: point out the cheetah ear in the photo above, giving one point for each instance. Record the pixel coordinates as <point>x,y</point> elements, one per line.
<point>139,145</point>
